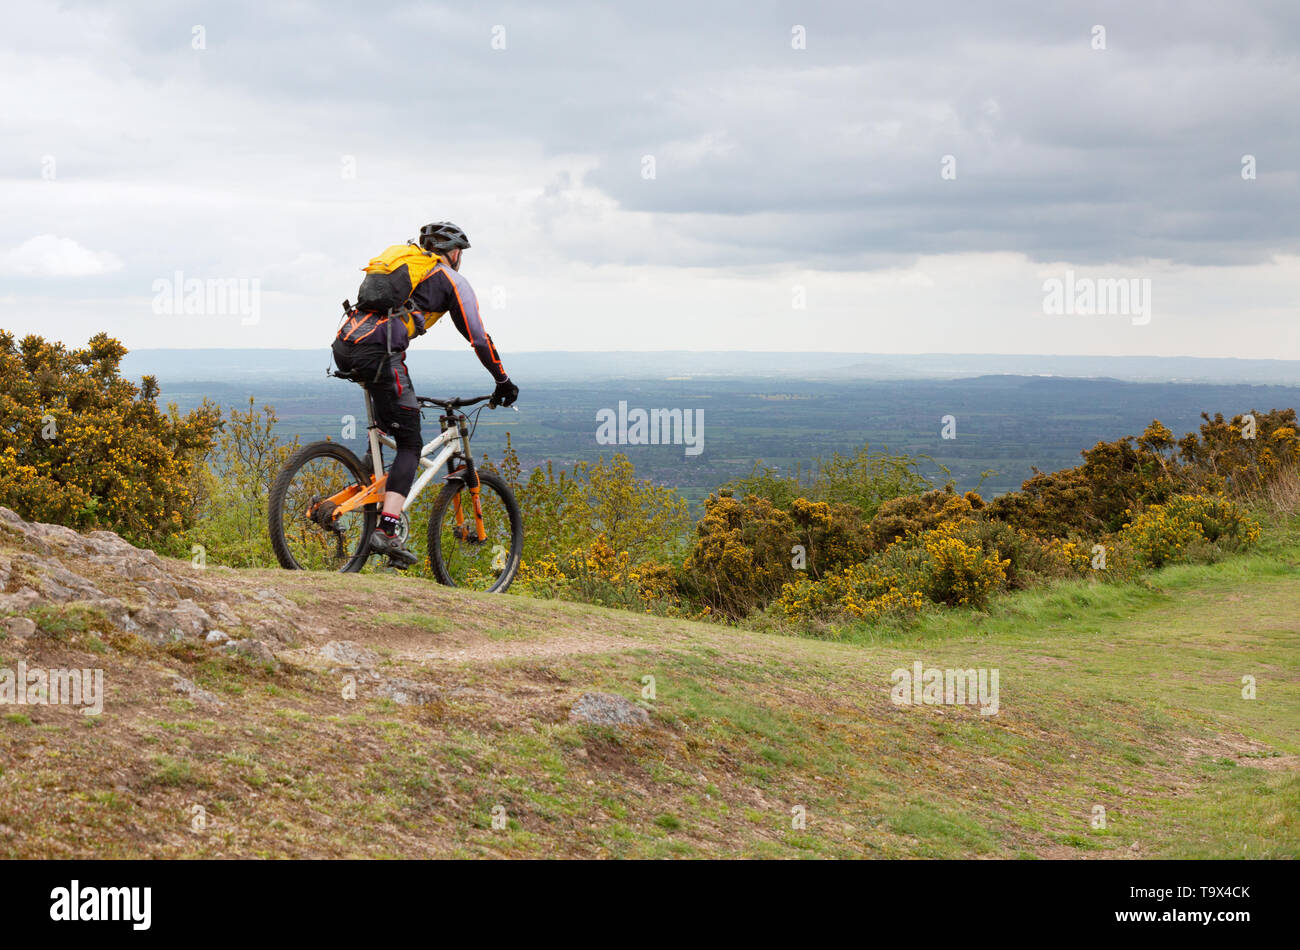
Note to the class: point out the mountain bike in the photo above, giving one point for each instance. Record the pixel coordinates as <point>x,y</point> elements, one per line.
<point>325,503</point>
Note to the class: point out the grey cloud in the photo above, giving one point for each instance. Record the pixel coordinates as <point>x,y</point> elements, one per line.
<point>826,157</point>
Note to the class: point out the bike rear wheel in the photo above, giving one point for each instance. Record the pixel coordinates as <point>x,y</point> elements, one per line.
<point>456,556</point>
<point>303,542</point>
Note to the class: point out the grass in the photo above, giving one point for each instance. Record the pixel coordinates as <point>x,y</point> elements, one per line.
<point>65,621</point>
<point>432,623</point>
<point>171,771</point>
<point>1122,700</point>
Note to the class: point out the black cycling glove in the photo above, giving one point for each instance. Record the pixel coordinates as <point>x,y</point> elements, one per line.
<point>505,394</point>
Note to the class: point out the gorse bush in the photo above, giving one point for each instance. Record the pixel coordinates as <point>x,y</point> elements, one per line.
<point>743,555</point>
<point>1133,503</point>
<point>1094,497</point>
<point>1190,527</point>
<point>1254,460</point>
<point>747,549</point>
<point>81,446</point>
<point>597,574</point>
<point>950,565</point>
<point>867,591</point>
<point>827,536</point>
<point>914,514</point>
<point>597,533</point>
<point>957,571</point>
<point>1029,560</point>
<point>1219,520</point>
<point>1243,457</point>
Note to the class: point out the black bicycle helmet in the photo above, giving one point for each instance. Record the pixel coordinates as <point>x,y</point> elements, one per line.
<point>442,236</point>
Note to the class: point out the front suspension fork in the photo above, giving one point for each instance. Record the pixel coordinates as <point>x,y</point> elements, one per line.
<point>469,475</point>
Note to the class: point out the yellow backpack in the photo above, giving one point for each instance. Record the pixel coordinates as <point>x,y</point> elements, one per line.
<point>393,276</point>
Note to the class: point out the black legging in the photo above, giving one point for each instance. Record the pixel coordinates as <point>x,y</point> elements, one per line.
<point>409,443</point>
<point>393,396</point>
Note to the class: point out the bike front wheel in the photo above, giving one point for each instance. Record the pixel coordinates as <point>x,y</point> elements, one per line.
<point>456,556</point>
<point>303,535</point>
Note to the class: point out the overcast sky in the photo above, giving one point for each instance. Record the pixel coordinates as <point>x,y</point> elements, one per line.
<point>894,177</point>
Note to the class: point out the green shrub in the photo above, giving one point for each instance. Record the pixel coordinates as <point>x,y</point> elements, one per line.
<point>741,557</point>
<point>910,515</point>
<point>233,490</point>
<point>597,574</point>
<point>83,447</point>
<point>569,510</point>
<point>957,571</point>
<point>1190,528</point>
<point>865,480</point>
<point>1095,497</point>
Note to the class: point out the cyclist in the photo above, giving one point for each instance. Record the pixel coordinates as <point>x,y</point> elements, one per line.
<point>371,347</point>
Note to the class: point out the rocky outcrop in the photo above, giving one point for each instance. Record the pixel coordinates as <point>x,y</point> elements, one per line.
<point>133,590</point>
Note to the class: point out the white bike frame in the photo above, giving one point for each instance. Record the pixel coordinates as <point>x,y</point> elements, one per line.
<point>451,442</point>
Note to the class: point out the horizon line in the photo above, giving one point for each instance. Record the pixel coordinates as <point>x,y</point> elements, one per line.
<point>833,353</point>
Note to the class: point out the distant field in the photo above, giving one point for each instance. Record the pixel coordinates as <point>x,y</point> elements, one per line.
<point>1003,423</point>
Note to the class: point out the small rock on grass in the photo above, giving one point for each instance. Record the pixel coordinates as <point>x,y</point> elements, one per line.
<point>20,626</point>
<point>220,612</point>
<point>347,653</point>
<point>406,692</point>
<point>188,688</point>
<point>269,596</point>
<point>251,649</point>
<point>115,612</point>
<point>608,709</point>
<point>20,600</point>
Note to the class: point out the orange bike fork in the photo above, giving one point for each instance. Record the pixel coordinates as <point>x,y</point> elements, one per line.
<point>479,528</point>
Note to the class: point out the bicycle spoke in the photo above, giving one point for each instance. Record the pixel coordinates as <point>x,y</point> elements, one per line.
<point>320,543</point>
<point>469,562</point>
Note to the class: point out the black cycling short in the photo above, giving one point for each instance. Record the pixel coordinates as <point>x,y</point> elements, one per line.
<point>396,410</point>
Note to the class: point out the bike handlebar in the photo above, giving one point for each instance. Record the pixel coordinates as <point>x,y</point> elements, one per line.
<point>456,403</point>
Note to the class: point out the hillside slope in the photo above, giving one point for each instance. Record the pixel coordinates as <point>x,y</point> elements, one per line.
<point>382,715</point>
